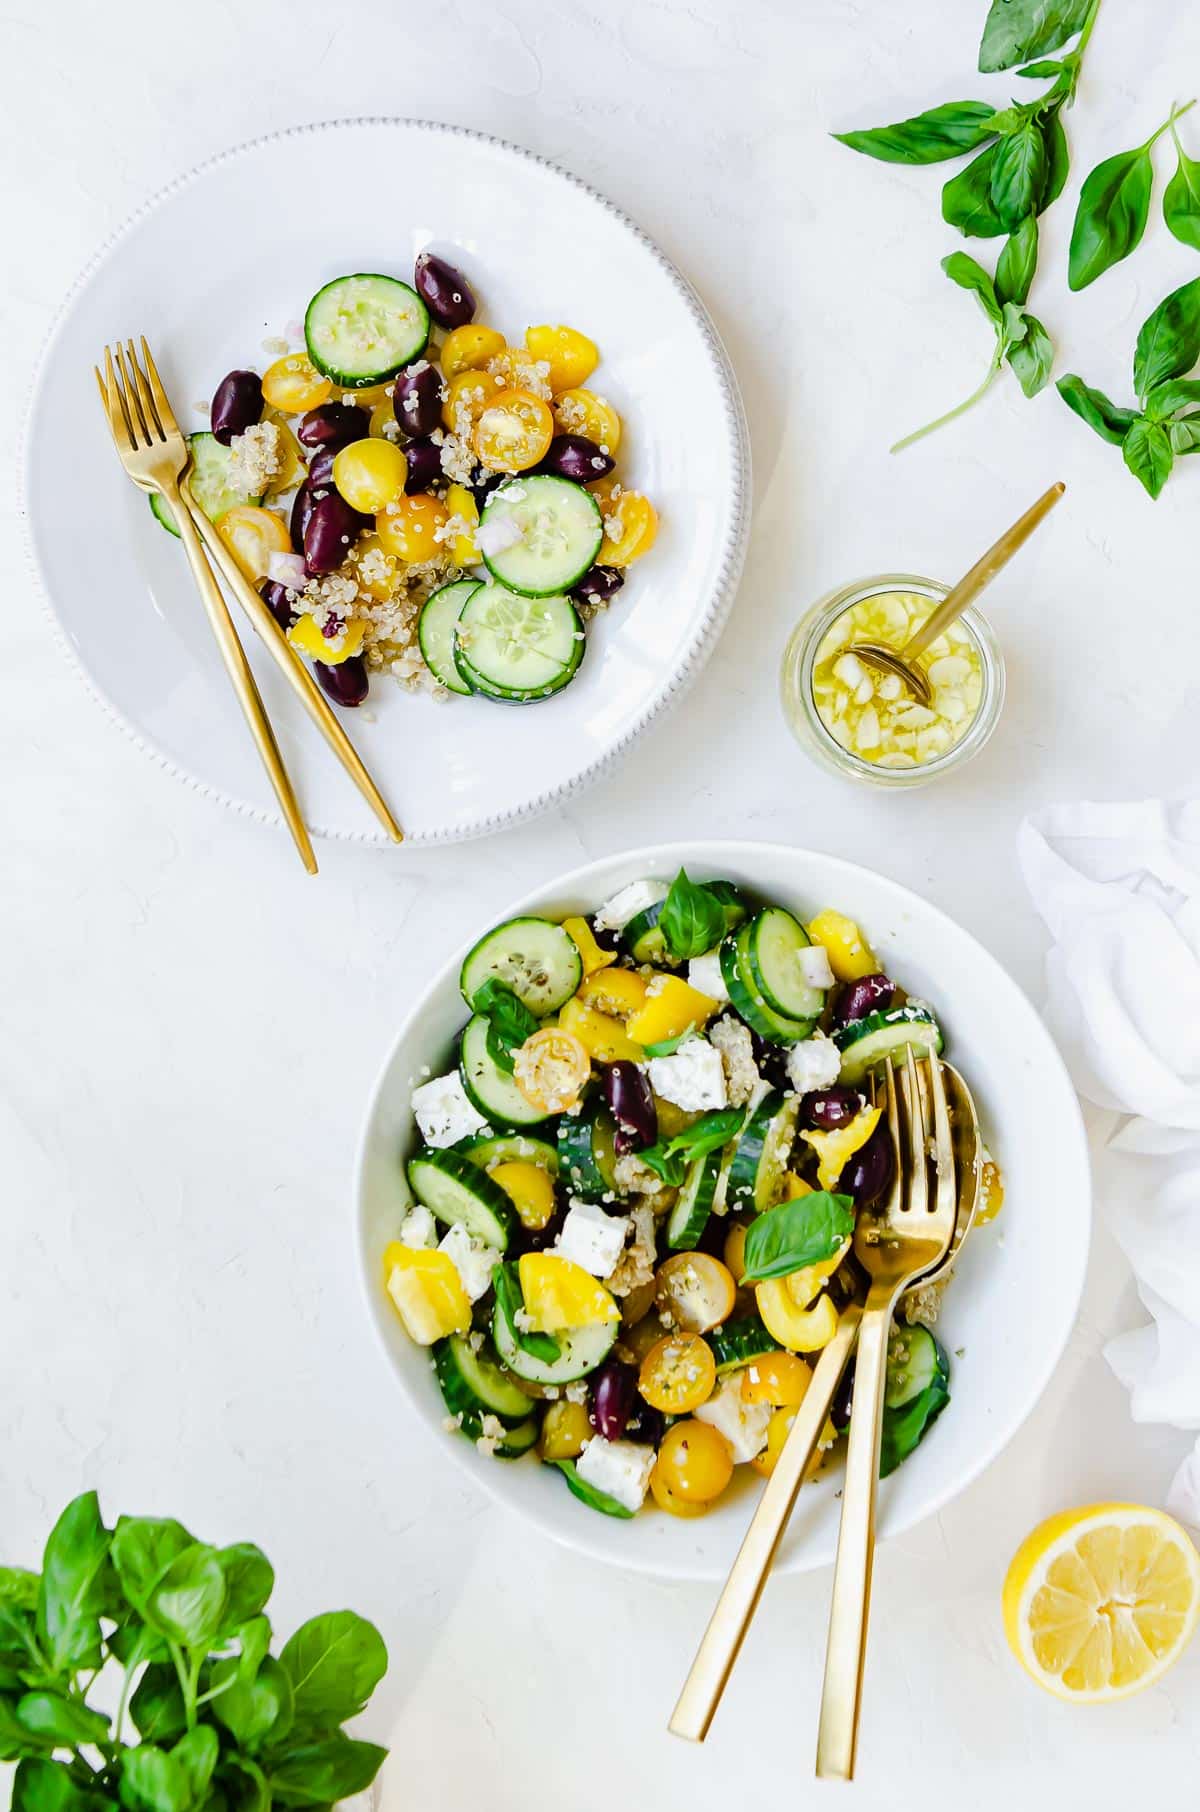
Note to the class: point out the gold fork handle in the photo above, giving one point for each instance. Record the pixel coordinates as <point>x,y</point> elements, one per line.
<point>238,669</point>
<point>851,1607</point>
<point>292,667</point>
<point>738,1602</point>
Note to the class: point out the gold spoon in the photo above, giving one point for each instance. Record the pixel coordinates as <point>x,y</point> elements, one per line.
<point>902,661</point>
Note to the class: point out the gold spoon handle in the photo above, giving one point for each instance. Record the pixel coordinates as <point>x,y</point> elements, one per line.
<point>981,574</point>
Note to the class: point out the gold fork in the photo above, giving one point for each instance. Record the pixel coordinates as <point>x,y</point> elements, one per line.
<point>154,454</point>
<point>899,1243</point>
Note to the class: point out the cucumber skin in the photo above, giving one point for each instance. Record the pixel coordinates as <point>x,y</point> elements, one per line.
<point>456,683</point>
<point>509,695</point>
<point>757,971</point>
<point>691,1233</point>
<point>748,1004</point>
<point>492,1149</point>
<point>577,1164</point>
<point>862,1031</point>
<point>475,1181</point>
<point>494,562</point>
<point>366,380</point>
<point>457,1392</point>
<point>468,983</point>
<point>743,1171</point>
<point>739,1342</point>
<point>475,1096</point>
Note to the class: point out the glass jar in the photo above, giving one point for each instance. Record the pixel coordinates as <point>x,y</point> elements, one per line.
<point>800,707</point>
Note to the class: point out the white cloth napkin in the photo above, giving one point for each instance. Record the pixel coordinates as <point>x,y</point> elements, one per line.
<point>1119,889</point>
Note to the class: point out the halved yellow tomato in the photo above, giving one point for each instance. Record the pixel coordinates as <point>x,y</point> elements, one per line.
<point>408,527</point>
<point>293,384</point>
<point>469,348</point>
<point>734,1252</point>
<point>252,535</point>
<point>374,567</point>
<point>583,412</point>
<point>630,529</point>
<point>292,468</point>
<point>565,1428</point>
<point>571,356</point>
<point>513,432</point>
<point>696,1290</point>
<point>551,1069</point>
<point>560,1295</point>
<point>466,398</point>
<point>678,1374</point>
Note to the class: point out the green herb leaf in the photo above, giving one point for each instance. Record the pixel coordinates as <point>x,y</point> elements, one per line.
<point>15,1740</point>
<point>1181,202</point>
<point>188,1603</point>
<point>243,1785</point>
<point>334,1662</point>
<point>588,1494</point>
<point>506,1281</point>
<point>1017,263</point>
<point>1043,71</point>
<point>77,1584</point>
<point>157,1706</point>
<point>1058,160</point>
<point>797,1234</point>
<point>253,1711</point>
<point>1114,206</point>
<point>667,1047</point>
<point>1110,422</point>
<point>249,1582</point>
<point>967,199</point>
<point>510,1022</point>
<point>1032,357</point>
<point>1172,398</point>
<point>196,1753</point>
<point>1184,436</point>
<point>964,270</point>
<point>1147,452</point>
<point>19,1588</point>
<point>317,1774</point>
<point>692,919</point>
<point>63,1722</point>
<point>254,1641</point>
<point>671,1158</point>
<point>153,1781</point>
<point>1019,173</point>
<point>1169,342</point>
<point>930,138</point>
<point>143,1548</point>
<point>43,1786</point>
<point>1019,29</point>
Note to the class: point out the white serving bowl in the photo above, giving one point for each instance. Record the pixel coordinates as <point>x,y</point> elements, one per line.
<point>1013,1301</point>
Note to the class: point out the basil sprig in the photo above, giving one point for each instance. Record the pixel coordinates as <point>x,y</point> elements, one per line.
<point>510,1301</point>
<point>1181,202</point>
<point>1114,206</point>
<point>928,138</point>
<point>1166,426</point>
<point>797,1234</point>
<point>1019,29</point>
<point>510,1022</point>
<point>670,1158</point>
<point>692,919</point>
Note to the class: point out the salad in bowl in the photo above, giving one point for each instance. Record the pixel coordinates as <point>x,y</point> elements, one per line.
<point>623,1224</point>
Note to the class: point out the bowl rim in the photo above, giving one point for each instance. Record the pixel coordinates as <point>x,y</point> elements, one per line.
<point>703,852</point>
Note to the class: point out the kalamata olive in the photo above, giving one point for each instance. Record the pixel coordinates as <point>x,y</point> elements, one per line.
<point>646,1425</point>
<point>302,509</point>
<point>483,486</point>
<point>329,533</point>
<point>320,469</point>
<point>444,291</point>
<point>424,464</point>
<point>417,400</point>
<point>613,1397</point>
<point>829,1108</point>
<point>770,1059</point>
<point>599,585</point>
<point>237,404</point>
<point>334,425</point>
<point>605,936</point>
<point>870,994</point>
<point>275,596</point>
<point>576,457</point>
<point>631,1103</point>
<point>868,1173</point>
<point>346,683</point>
<point>843,1397</point>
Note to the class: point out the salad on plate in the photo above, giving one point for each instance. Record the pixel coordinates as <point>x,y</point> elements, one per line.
<point>633,1193</point>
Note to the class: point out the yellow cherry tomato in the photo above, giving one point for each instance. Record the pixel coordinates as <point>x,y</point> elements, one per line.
<point>694,1462</point>
<point>461,504</point>
<point>332,650</point>
<point>466,398</point>
<point>678,1374</point>
<point>513,432</point>
<point>530,1190</point>
<point>618,992</point>
<point>778,1378</point>
<point>560,1294</point>
<point>667,1500</point>
<point>583,412</point>
<point>565,1428</point>
<point>778,1430</point>
<point>571,356</point>
<point>551,1069</point>
<point>252,535</point>
<point>383,420</point>
<point>696,1290</point>
<point>374,568</point>
<point>850,955</point>
<point>630,529</point>
<point>370,474</point>
<point>734,1253</point>
<point>991,1194</point>
<point>469,348</point>
<point>409,527</point>
<point>800,1330</point>
<point>292,467</point>
<point>426,1291</point>
<point>580,932</point>
<point>294,385</point>
<point>602,1036</point>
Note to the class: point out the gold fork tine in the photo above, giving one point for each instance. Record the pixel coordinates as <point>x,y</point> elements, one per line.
<point>145,400</point>
<point>891,1115</point>
<point>945,1182</point>
<point>918,1137</point>
<point>162,407</point>
<point>131,392</point>
<point>116,405</point>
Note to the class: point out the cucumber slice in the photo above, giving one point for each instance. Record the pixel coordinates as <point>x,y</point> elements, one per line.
<point>762,1153</point>
<point>866,1042</point>
<point>582,1350</point>
<point>473,1383</point>
<point>587,1155</point>
<point>557,527</point>
<point>536,958</point>
<point>738,1342</point>
<point>363,329</point>
<point>208,476</point>
<point>458,1192</point>
<point>491,1090</point>
<point>643,939</point>
<point>914,1360</point>
<point>589,1495</point>
<point>163,514</point>
<point>905,1425</point>
<point>519,1440</point>
<point>435,632</point>
<point>511,1148</point>
<point>773,946</point>
<point>518,650</point>
<point>747,998</point>
<point>694,1204</point>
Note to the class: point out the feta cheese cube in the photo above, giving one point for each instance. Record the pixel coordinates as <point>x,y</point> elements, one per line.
<point>813,1063</point>
<point>693,1077</point>
<point>418,1228</point>
<point>473,1261</point>
<point>704,972</point>
<point>592,1238</point>
<point>627,902</point>
<point>621,1469</point>
<point>444,1113</point>
<point>744,1425</point>
<point>814,966</point>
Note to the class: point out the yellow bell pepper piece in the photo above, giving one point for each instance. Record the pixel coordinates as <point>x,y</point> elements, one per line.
<point>580,934</point>
<point>529,1189</point>
<point>805,1286</point>
<point>794,1187</point>
<point>834,1149</point>
<point>672,1006</point>
<point>616,991</point>
<point>799,1330</point>
<point>427,1292</point>
<point>603,1038</point>
<point>461,503</point>
<point>850,955</point>
<point>560,1295</point>
<point>305,636</point>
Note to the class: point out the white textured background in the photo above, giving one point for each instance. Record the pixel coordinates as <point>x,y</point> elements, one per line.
<point>188,1028</point>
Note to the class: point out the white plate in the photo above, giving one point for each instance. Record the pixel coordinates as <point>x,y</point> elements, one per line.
<point>226,258</point>
<point>1013,1301</point>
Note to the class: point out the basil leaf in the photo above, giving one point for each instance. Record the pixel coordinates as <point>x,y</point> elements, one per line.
<point>15,1740</point>
<point>1019,29</point>
<point>506,1281</point>
<point>249,1582</point>
<point>905,1428</point>
<point>252,1710</point>
<point>670,1158</point>
<point>796,1234</point>
<point>1017,263</point>
<point>157,1707</point>
<point>1032,356</point>
<point>1185,435</point>
<point>1146,450</point>
<point>1019,173</point>
<point>1043,71</point>
<point>1110,422</point>
<point>196,1753</point>
<point>77,1584</point>
<point>1114,206</point>
<point>1172,397</point>
<point>967,200</point>
<point>1058,161</point>
<point>42,1786</point>
<point>60,1721</point>
<point>1181,202</point>
<point>153,1781</point>
<point>510,1022</point>
<point>19,1587</point>
<point>588,1494</point>
<point>667,1047</point>
<point>1169,342</point>
<point>143,1548</point>
<point>930,138</point>
<point>320,1773</point>
<point>188,1603</point>
<point>334,1663</point>
<point>964,270</point>
<point>692,919</point>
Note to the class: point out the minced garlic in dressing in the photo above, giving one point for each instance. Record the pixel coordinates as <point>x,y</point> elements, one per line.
<point>873,715</point>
